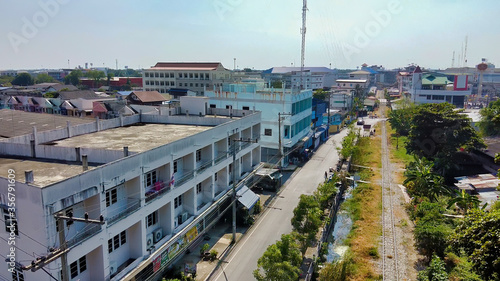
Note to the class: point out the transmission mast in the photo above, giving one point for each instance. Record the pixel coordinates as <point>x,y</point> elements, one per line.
<point>465,52</point>
<point>303,49</point>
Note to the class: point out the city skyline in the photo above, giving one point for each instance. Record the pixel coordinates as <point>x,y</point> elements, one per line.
<point>260,35</point>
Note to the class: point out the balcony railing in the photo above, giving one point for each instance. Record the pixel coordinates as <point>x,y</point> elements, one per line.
<point>157,190</point>
<point>221,156</point>
<point>204,165</point>
<point>131,206</point>
<point>245,145</point>
<point>187,175</point>
<point>85,233</point>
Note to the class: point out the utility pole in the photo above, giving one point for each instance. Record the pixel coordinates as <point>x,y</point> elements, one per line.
<point>39,263</point>
<point>233,151</point>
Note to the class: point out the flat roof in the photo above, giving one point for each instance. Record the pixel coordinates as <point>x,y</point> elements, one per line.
<point>17,123</point>
<point>138,138</point>
<point>44,172</point>
<point>351,80</point>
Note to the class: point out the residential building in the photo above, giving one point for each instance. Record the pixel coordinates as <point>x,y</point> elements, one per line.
<point>437,88</point>
<point>291,105</point>
<point>160,181</point>
<point>341,100</point>
<point>369,76</point>
<point>350,84</point>
<point>292,77</point>
<point>145,98</point>
<point>195,76</point>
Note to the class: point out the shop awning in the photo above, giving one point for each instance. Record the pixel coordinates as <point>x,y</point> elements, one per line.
<point>247,197</point>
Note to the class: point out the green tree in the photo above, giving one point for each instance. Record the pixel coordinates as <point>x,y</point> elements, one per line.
<point>44,78</point>
<point>278,84</point>
<point>73,77</point>
<point>96,75</point>
<point>23,79</point>
<point>431,237</point>
<point>326,192</point>
<point>320,94</point>
<point>478,234</point>
<point>338,270</point>
<point>6,81</point>
<point>109,76</point>
<point>439,131</point>
<point>490,119</point>
<point>421,181</point>
<point>435,272</point>
<point>280,261</point>
<point>400,120</point>
<point>307,218</point>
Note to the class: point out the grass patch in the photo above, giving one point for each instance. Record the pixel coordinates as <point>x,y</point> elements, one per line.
<point>365,208</point>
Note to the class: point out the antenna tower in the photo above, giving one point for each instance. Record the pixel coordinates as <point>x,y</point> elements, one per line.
<point>303,49</point>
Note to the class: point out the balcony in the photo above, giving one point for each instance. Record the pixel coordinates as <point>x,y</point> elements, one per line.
<point>88,231</point>
<point>156,191</point>
<point>203,166</point>
<point>131,206</point>
<point>187,175</point>
<point>221,156</point>
<point>245,145</point>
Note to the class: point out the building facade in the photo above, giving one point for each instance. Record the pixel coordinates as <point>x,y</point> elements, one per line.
<point>158,187</point>
<point>292,106</point>
<point>196,76</point>
<point>292,77</point>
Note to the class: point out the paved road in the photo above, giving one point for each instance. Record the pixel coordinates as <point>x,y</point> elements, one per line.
<point>275,220</point>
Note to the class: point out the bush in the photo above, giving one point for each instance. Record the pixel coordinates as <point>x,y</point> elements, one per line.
<point>204,249</point>
<point>435,272</point>
<point>431,237</point>
<point>373,252</point>
<point>213,254</point>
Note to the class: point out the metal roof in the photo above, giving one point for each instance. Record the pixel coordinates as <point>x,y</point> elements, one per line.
<point>247,197</point>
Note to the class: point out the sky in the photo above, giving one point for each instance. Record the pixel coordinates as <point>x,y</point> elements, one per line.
<point>259,34</point>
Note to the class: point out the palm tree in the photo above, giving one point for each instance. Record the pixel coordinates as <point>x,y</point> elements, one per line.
<point>422,181</point>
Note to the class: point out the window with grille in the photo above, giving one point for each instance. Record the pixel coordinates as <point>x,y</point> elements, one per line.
<point>9,219</point>
<point>198,155</point>
<point>175,166</point>
<point>17,275</point>
<point>198,188</point>
<point>117,241</point>
<point>268,132</point>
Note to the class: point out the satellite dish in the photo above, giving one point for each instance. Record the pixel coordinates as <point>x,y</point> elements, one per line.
<point>482,66</point>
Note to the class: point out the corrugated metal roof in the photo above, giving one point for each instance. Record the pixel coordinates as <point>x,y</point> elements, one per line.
<point>247,197</point>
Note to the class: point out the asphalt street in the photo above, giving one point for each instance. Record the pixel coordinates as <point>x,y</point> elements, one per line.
<point>275,220</point>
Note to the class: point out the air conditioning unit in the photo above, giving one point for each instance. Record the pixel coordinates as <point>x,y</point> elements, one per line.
<point>112,267</point>
<point>157,235</point>
<point>149,240</point>
<point>185,216</point>
<point>176,223</point>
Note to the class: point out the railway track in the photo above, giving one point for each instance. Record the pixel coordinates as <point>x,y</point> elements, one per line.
<point>390,257</point>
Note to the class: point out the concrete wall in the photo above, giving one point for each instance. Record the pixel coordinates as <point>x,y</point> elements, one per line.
<point>184,120</point>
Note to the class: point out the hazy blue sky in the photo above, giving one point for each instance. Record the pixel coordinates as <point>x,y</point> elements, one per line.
<point>258,33</point>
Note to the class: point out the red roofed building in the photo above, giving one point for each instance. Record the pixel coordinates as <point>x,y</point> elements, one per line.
<point>146,98</point>
<point>195,76</point>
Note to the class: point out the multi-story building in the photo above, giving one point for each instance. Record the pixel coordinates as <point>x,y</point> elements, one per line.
<point>292,77</point>
<point>291,105</point>
<point>158,187</point>
<point>437,88</point>
<point>195,76</point>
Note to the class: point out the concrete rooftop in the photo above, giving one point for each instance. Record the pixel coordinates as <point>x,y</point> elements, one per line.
<point>138,138</point>
<point>44,173</point>
<point>17,123</point>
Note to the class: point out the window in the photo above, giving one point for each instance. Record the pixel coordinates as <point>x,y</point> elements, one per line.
<point>117,241</point>
<point>178,201</point>
<point>10,219</point>
<point>191,75</point>
<point>151,178</point>
<point>268,132</point>
<point>172,83</point>
<point>215,177</point>
<point>171,75</point>
<point>111,197</point>
<point>152,219</point>
<point>229,141</point>
<point>190,84</point>
<point>69,213</point>
<point>198,188</point>
<point>17,275</point>
<point>229,107</point>
<point>212,105</point>
<point>175,166</point>
<point>196,84</point>
<point>78,266</point>
<point>198,155</point>
<point>146,74</point>
<point>246,108</point>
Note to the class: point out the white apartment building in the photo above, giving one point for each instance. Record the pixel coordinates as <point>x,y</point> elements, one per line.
<point>311,78</point>
<point>195,76</point>
<point>437,88</point>
<point>292,105</point>
<point>158,184</point>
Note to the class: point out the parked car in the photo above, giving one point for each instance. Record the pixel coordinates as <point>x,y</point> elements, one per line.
<point>360,122</point>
